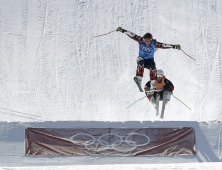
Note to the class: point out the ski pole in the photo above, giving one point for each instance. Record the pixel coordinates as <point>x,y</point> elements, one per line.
<point>188,55</point>
<point>135,102</point>
<point>141,98</point>
<point>104,34</point>
<point>181,102</point>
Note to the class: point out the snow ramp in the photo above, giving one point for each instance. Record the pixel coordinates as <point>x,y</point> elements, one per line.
<point>13,139</point>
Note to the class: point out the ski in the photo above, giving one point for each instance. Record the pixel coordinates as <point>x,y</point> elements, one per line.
<point>157,103</point>
<point>164,104</point>
<point>137,83</point>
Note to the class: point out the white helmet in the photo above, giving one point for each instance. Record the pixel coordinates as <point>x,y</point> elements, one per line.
<point>160,72</point>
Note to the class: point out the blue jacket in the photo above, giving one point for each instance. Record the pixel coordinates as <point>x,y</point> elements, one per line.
<point>147,51</point>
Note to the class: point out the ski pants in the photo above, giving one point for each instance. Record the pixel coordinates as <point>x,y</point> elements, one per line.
<point>148,64</point>
<point>161,96</point>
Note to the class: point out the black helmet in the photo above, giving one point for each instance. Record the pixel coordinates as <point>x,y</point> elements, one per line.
<point>147,36</point>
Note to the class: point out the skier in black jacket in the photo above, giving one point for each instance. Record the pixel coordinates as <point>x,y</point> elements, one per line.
<point>161,84</point>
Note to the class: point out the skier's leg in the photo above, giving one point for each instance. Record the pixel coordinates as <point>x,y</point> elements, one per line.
<point>140,66</point>
<point>161,95</point>
<point>152,74</point>
<point>153,100</point>
<point>168,98</point>
<point>140,69</point>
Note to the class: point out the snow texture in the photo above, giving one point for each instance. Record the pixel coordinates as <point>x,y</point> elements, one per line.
<point>52,69</point>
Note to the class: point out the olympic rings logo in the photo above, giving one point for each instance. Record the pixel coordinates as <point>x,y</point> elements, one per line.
<point>146,49</point>
<point>116,145</point>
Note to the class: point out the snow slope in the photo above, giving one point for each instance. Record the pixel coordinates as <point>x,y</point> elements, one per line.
<point>52,69</point>
<point>12,147</point>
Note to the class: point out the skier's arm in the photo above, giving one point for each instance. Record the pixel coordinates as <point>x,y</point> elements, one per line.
<point>130,34</point>
<point>166,46</point>
<point>168,85</point>
<point>134,36</point>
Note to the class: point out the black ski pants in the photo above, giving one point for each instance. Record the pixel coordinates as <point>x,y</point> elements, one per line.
<point>161,95</point>
<point>148,63</point>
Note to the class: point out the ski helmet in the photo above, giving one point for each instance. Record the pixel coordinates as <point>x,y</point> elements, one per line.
<point>147,36</point>
<point>160,72</point>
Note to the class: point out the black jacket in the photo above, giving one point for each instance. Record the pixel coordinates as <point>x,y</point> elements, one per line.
<point>168,85</point>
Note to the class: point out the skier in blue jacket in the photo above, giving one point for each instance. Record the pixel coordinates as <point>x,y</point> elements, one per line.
<point>147,47</point>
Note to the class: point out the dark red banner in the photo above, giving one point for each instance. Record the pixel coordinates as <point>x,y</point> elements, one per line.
<point>110,141</point>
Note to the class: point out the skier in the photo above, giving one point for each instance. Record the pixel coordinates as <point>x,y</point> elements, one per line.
<point>161,84</point>
<point>147,48</point>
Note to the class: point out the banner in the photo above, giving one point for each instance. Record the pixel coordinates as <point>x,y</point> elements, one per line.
<point>110,141</point>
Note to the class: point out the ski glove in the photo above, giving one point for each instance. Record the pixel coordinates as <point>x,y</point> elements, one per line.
<point>120,29</point>
<point>149,93</point>
<point>162,89</point>
<point>176,47</point>
<point>169,92</point>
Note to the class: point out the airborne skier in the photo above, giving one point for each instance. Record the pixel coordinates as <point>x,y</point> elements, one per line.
<point>162,84</point>
<point>147,48</point>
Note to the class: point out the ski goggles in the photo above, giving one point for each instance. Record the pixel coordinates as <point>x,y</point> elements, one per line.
<point>159,75</point>
<point>147,40</point>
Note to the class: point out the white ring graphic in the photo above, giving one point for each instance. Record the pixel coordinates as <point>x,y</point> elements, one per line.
<point>110,134</point>
<point>116,143</point>
<point>87,142</point>
<point>99,150</point>
<point>148,139</point>
<point>130,150</point>
<point>106,145</point>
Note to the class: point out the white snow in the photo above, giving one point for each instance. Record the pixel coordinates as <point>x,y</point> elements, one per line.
<point>52,69</point>
<point>203,166</point>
